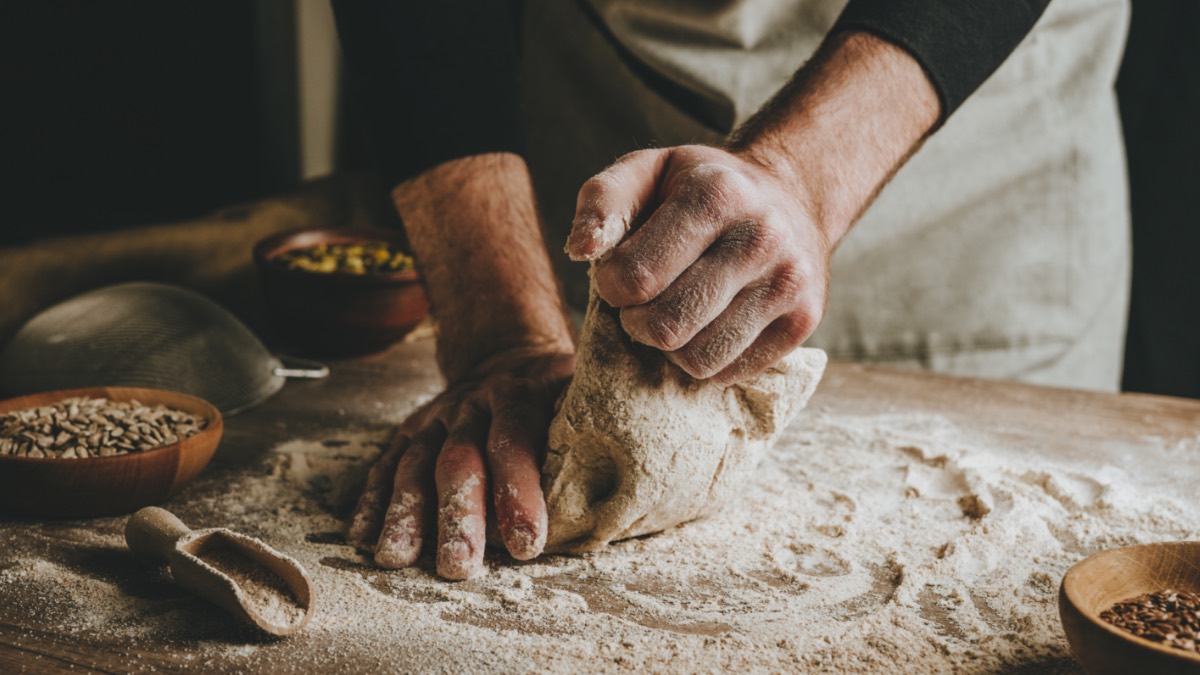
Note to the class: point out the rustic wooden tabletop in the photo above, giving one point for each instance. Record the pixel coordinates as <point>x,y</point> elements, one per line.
<point>43,563</point>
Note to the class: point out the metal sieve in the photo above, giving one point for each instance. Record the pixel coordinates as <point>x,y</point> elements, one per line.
<point>146,335</point>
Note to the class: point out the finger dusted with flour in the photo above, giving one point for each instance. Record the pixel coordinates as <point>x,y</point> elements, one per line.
<point>610,202</point>
<point>408,515</point>
<point>462,496</point>
<point>520,416</point>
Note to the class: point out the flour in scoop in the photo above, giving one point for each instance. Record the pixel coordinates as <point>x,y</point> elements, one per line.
<point>264,592</point>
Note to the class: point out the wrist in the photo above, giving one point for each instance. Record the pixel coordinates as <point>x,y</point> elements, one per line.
<point>475,234</point>
<point>843,126</point>
<point>462,353</point>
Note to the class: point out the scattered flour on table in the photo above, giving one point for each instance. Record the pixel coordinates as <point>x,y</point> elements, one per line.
<point>861,544</point>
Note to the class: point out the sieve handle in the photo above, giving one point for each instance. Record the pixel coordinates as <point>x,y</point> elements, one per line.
<point>298,368</point>
<point>153,532</point>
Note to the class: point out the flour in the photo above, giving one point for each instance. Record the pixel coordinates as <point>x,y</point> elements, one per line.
<point>264,592</point>
<point>883,543</point>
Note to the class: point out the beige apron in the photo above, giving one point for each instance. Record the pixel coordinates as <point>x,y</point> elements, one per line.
<point>1000,250</point>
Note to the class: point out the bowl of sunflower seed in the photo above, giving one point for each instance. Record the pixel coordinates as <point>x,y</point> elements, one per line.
<point>101,451</point>
<point>340,292</point>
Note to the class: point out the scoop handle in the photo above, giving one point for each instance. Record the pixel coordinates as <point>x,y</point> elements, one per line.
<point>153,532</point>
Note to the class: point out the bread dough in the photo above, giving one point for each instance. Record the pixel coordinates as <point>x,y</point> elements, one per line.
<point>638,445</point>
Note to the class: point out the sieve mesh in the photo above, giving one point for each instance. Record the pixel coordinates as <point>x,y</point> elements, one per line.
<point>141,335</point>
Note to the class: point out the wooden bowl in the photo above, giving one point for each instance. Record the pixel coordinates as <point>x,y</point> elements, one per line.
<point>104,486</point>
<point>1109,577</point>
<point>338,314</point>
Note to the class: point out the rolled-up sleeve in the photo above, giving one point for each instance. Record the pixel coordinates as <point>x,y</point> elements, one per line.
<point>959,43</point>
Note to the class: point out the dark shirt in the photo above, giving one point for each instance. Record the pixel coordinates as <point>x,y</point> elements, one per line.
<point>435,81</point>
<point>959,43</point>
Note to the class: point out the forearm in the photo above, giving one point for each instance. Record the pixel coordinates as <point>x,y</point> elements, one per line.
<point>959,44</point>
<point>474,230</point>
<point>843,126</point>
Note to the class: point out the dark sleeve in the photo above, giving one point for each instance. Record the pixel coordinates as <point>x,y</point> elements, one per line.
<point>432,80</point>
<point>959,43</point>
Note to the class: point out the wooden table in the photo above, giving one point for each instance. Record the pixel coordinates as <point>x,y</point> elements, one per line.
<point>372,393</point>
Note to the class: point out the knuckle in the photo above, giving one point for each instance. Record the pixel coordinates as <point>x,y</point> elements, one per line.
<point>716,187</point>
<point>636,155</point>
<point>453,457</point>
<point>664,334</point>
<point>788,282</point>
<point>654,327</point>
<point>513,389</point>
<point>439,414</point>
<point>695,362</point>
<point>759,239</point>
<point>724,178</point>
<point>795,327</point>
<point>629,281</point>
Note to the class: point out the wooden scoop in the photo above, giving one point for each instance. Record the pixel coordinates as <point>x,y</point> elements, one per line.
<point>238,573</point>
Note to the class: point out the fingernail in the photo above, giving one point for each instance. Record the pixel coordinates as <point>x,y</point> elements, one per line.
<point>523,542</point>
<point>397,548</point>
<point>582,242</point>
<point>456,560</point>
<point>400,543</point>
<point>591,236</point>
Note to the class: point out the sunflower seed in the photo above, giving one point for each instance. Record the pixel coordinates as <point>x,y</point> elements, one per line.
<point>87,427</point>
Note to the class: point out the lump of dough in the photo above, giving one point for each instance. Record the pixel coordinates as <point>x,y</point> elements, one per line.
<point>638,445</point>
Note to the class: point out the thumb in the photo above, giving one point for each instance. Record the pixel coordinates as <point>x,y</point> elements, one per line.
<point>609,202</point>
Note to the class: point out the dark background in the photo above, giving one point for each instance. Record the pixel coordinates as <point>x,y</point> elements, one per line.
<point>1159,92</point>
<point>116,114</point>
<point>121,113</point>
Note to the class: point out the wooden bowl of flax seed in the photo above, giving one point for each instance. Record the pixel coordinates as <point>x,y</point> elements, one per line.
<point>102,451</point>
<point>1135,609</point>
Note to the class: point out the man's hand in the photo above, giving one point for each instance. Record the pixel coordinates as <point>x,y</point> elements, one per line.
<point>506,351</point>
<point>483,436</point>
<point>725,266</point>
<point>728,272</point>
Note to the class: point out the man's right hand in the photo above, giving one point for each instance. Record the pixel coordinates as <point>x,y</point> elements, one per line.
<point>506,350</point>
<point>719,256</point>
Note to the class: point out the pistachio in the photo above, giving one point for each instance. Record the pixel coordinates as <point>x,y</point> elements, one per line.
<point>369,257</point>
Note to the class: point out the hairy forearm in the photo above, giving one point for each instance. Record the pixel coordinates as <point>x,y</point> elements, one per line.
<point>843,126</point>
<point>474,230</point>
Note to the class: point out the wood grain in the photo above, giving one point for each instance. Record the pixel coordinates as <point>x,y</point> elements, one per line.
<point>376,391</point>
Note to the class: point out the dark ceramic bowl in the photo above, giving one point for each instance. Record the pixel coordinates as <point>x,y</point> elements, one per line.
<point>338,314</point>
